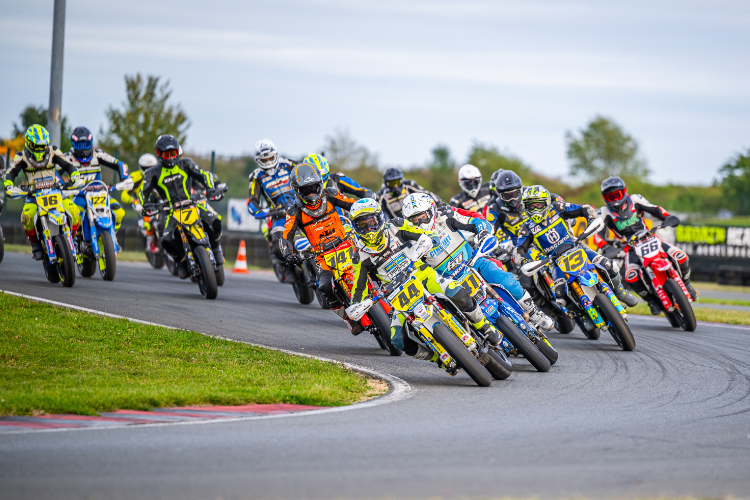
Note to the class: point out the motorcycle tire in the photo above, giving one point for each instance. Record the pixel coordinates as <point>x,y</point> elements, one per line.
<point>220,275</point>
<point>616,321</point>
<point>66,264</point>
<point>87,267</point>
<point>278,270</point>
<point>2,245</point>
<point>304,293</point>
<point>50,270</point>
<point>498,365</point>
<point>590,334</point>
<point>463,357</point>
<point>207,280</point>
<point>383,323</point>
<point>674,321</point>
<point>107,257</point>
<point>155,259</point>
<point>549,352</point>
<point>684,311</point>
<point>521,342</point>
<point>171,265</point>
<point>564,324</point>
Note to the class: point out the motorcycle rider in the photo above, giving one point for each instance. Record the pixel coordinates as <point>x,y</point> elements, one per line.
<point>270,181</point>
<point>446,227</point>
<point>547,228</point>
<point>623,215</point>
<point>378,240</point>
<point>339,181</point>
<point>38,161</point>
<point>474,195</point>
<point>314,213</point>
<point>145,162</point>
<point>395,189</point>
<point>89,162</point>
<point>170,180</point>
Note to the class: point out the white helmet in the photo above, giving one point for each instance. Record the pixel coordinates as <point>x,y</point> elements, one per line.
<point>420,210</point>
<point>147,161</point>
<point>470,179</point>
<point>266,155</point>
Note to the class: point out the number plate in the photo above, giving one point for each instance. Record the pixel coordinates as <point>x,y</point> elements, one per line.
<point>471,283</point>
<point>187,216</point>
<point>98,200</point>
<point>49,201</point>
<point>648,248</point>
<point>572,261</point>
<point>340,258</point>
<point>408,295</point>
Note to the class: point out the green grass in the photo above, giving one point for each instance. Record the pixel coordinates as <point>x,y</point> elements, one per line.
<point>715,287</point>
<point>703,314</point>
<point>727,302</point>
<point>55,360</point>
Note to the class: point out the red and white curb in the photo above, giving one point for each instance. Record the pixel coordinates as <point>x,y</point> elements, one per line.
<point>398,390</point>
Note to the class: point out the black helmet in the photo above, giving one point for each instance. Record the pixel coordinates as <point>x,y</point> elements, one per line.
<point>83,144</point>
<point>509,189</point>
<point>392,178</point>
<point>615,194</point>
<point>168,150</point>
<point>307,184</point>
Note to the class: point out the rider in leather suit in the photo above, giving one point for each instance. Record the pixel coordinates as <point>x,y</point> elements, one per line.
<point>474,195</point>
<point>395,189</point>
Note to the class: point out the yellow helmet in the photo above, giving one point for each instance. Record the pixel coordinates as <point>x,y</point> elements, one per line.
<point>536,202</point>
<point>369,223</point>
<point>321,164</point>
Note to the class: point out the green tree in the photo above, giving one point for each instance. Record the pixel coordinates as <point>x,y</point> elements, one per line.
<point>489,160</point>
<point>37,115</point>
<point>604,149</point>
<point>735,183</point>
<point>344,153</point>
<point>146,114</point>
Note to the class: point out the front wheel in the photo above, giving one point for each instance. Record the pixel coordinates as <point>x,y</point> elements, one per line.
<point>66,264</point>
<point>521,342</point>
<point>620,329</point>
<point>220,275</point>
<point>304,293</point>
<point>684,311</point>
<point>207,278</point>
<point>461,355</point>
<point>498,364</point>
<point>549,352</point>
<point>383,323</point>
<point>107,256</point>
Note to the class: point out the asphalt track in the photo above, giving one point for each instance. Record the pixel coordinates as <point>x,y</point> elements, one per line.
<point>671,418</point>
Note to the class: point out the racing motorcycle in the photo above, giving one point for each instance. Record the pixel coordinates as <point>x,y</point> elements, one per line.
<point>499,307</point>
<point>305,270</point>
<point>661,277</point>
<point>52,225</point>
<point>96,240</point>
<point>196,247</point>
<point>2,237</point>
<point>434,322</point>
<point>587,297</point>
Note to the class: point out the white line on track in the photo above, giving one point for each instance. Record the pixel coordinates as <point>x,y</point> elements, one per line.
<point>400,389</point>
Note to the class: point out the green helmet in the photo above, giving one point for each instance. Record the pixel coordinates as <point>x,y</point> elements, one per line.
<point>37,145</point>
<point>536,202</point>
<point>369,223</point>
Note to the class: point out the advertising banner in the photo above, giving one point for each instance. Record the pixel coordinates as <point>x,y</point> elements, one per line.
<point>238,219</point>
<point>714,241</point>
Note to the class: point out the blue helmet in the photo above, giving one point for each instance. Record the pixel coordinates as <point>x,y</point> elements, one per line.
<point>83,144</point>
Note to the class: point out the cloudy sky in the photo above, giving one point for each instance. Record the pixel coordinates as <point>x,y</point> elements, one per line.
<point>404,75</point>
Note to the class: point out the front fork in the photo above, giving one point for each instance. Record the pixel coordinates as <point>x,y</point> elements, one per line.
<point>587,305</point>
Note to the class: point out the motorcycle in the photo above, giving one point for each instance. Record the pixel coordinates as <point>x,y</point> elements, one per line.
<point>155,254</point>
<point>305,270</point>
<point>96,241</point>
<point>662,278</point>
<point>588,298</point>
<point>202,200</point>
<point>499,307</point>
<point>2,237</point>
<point>189,229</point>
<point>433,325</point>
<point>52,224</point>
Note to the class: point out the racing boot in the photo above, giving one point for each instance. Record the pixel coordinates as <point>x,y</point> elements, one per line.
<point>428,355</point>
<point>478,321</point>
<point>291,276</point>
<point>621,294</point>
<point>535,315</point>
<point>183,271</point>
<point>654,304</point>
<point>36,251</point>
<point>151,244</point>
<point>493,336</point>
<point>218,254</point>
<point>354,326</point>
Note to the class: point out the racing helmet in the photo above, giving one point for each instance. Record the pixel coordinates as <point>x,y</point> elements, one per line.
<point>392,178</point>
<point>536,202</point>
<point>266,155</point>
<point>36,145</point>
<point>420,210</point>
<point>615,195</point>
<point>470,179</point>
<point>307,184</point>
<point>369,223</point>
<point>509,189</point>
<point>83,144</point>
<point>147,161</point>
<point>168,150</point>
<point>322,165</point>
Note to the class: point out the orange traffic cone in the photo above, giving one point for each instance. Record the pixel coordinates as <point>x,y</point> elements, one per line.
<point>240,266</point>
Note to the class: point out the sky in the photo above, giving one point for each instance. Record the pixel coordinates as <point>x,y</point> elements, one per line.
<point>404,76</point>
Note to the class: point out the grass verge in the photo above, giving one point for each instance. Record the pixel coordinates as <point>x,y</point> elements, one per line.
<point>703,314</point>
<point>54,360</point>
<point>700,286</point>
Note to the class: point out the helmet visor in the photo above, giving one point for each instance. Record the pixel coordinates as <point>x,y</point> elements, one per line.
<point>311,191</point>
<point>82,145</point>
<point>394,183</point>
<point>265,161</point>
<point>511,195</point>
<point>367,223</point>
<point>470,184</point>
<point>169,154</point>
<point>421,218</point>
<point>536,206</point>
<point>36,148</point>
<point>614,196</point>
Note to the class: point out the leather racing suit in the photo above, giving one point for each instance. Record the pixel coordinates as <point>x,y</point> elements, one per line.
<point>275,189</point>
<point>391,202</point>
<point>475,204</point>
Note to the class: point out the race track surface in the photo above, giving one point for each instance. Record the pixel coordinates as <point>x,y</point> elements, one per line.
<point>671,418</point>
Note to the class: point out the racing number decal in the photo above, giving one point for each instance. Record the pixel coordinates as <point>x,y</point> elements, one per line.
<point>50,200</point>
<point>340,259</point>
<point>648,248</point>
<point>408,295</point>
<point>572,262</point>
<point>471,284</point>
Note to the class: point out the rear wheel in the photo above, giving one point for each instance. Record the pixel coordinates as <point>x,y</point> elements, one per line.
<point>383,323</point>
<point>461,354</point>
<point>220,275</point>
<point>207,279</point>
<point>87,264</point>
<point>564,324</point>
<point>155,259</point>
<point>684,312</point>
<point>107,257</point>
<point>619,328</point>
<point>498,364</point>
<point>66,266</point>
<point>171,265</point>
<point>521,342</point>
